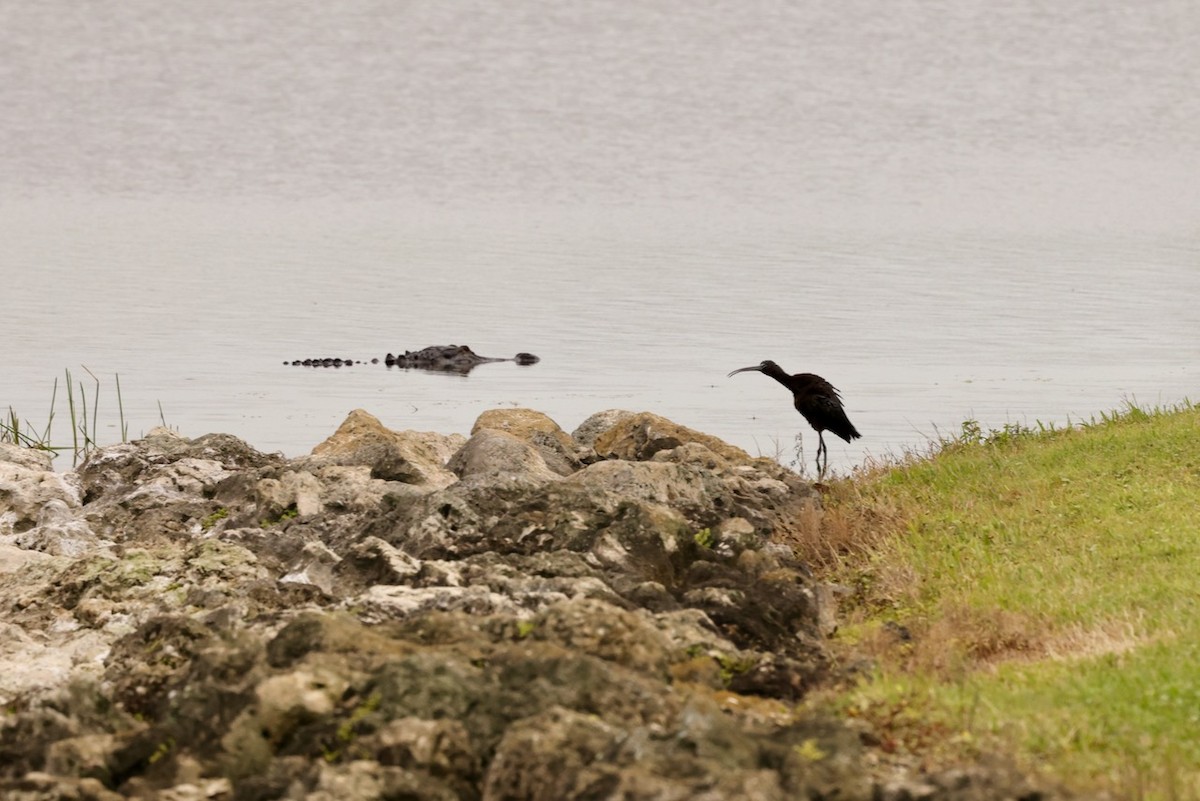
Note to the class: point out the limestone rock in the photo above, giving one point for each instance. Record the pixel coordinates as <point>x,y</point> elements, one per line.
<point>441,746</point>
<point>492,456</point>
<point>163,486</point>
<point>406,456</point>
<point>59,531</point>
<point>589,430</point>
<point>13,559</point>
<point>293,490</point>
<point>639,437</point>
<point>696,494</point>
<point>605,631</point>
<point>25,490</point>
<point>521,423</point>
<point>556,448</point>
<point>373,561</point>
<point>29,458</point>
<point>555,755</point>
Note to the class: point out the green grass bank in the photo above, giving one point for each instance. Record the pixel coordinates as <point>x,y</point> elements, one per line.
<point>1033,591</point>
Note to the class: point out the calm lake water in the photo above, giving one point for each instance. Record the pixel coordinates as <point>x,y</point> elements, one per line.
<point>950,210</point>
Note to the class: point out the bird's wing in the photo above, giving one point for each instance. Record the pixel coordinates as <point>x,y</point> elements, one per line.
<point>821,405</point>
<point>815,386</point>
<point>827,404</point>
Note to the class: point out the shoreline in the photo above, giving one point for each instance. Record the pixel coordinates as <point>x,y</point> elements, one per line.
<point>400,609</point>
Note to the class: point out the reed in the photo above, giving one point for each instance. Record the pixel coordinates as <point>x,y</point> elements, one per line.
<point>83,408</point>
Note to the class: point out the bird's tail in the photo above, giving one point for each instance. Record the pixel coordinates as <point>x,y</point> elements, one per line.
<point>850,433</point>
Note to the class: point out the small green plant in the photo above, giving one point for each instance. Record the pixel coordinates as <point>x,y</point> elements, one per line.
<point>733,666</point>
<point>164,748</point>
<point>704,538</point>
<point>810,751</point>
<point>211,520</point>
<point>345,732</point>
<point>525,628</point>
<point>972,433</point>
<point>285,515</point>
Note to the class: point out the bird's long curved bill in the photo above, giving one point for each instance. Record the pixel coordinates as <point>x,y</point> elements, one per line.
<point>755,369</point>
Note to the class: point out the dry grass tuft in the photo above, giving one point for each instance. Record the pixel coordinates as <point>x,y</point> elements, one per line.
<point>844,529</point>
<point>962,640</point>
<point>956,642</point>
<point>1112,637</point>
<point>962,637</point>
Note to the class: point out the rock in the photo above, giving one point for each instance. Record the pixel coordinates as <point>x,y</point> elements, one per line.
<point>523,424</point>
<point>380,604</point>
<point>695,454</point>
<point>163,441</point>
<point>697,495</point>
<point>442,747</point>
<point>26,488</point>
<point>351,489</point>
<point>556,448</point>
<point>292,699</point>
<point>496,457</point>
<point>60,532</point>
<point>200,790</point>
<point>313,565</point>
<point>605,631</point>
<point>760,490</point>
<point>827,596</point>
<point>638,437</point>
<point>586,433</point>
<point>294,490</point>
<point>38,786</point>
<point>367,780</point>
<point>28,458</point>
<point>86,756</point>
<point>405,456</point>
<point>163,486</point>
<point>555,755</point>
<point>373,561</point>
<point>13,559</point>
<point>407,615</point>
<point>31,663</point>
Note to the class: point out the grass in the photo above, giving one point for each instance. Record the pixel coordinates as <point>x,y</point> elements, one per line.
<point>84,413</point>
<point>1046,580</point>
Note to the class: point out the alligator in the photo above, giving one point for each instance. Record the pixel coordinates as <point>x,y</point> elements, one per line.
<point>441,358</point>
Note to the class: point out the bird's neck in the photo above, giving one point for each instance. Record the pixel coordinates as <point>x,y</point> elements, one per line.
<point>776,372</point>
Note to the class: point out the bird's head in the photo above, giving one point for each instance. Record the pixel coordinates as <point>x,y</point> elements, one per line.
<point>767,366</point>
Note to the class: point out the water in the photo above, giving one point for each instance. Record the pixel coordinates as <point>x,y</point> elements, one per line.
<point>950,210</point>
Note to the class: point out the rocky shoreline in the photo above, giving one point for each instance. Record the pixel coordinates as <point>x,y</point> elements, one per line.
<point>522,614</point>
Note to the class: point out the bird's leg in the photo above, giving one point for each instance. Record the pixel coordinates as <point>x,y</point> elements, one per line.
<point>821,449</point>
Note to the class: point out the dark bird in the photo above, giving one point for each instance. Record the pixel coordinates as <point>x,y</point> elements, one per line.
<point>817,401</point>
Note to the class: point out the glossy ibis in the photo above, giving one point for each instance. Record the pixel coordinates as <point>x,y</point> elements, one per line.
<point>817,400</point>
